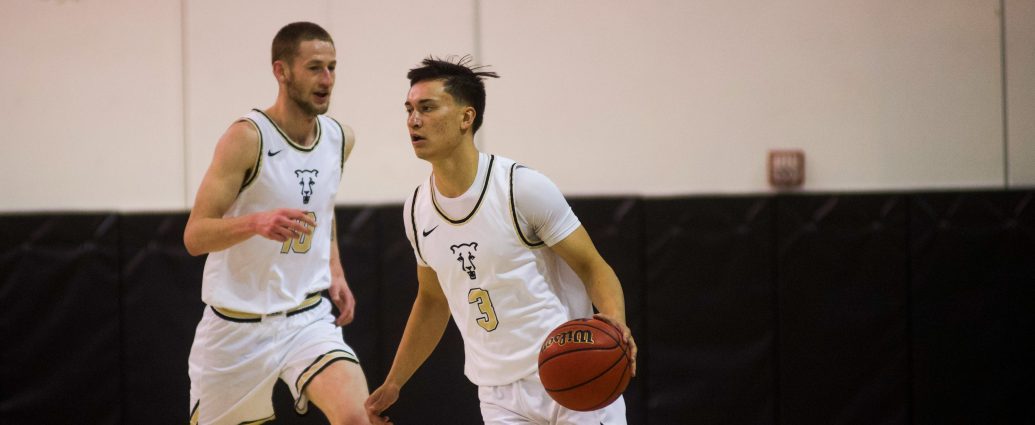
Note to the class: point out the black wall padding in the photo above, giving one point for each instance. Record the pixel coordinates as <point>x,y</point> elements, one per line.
<point>60,361</point>
<point>842,284</point>
<point>897,308</point>
<point>616,227</point>
<point>360,248</point>
<point>710,310</point>
<point>973,294</point>
<point>439,392</point>
<point>161,307</point>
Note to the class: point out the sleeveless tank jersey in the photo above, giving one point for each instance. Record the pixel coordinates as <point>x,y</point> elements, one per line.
<point>264,276</point>
<point>505,290</point>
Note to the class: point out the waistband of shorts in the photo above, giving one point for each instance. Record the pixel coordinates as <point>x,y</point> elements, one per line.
<point>312,300</point>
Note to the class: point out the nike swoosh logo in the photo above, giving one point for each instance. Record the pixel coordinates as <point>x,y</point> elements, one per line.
<point>428,232</point>
<point>271,153</point>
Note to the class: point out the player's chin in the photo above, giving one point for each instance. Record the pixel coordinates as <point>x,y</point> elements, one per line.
<point>421,152</point>
<point>320,105</point>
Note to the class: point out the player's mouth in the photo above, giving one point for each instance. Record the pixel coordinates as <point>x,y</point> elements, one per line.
<point>322,96</point>
<point>416,138</point>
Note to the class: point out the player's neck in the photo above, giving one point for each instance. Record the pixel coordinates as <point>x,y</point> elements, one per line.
<point>455,174</point>
<point>297,125</point>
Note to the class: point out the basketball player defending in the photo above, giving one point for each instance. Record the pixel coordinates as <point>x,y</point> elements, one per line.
<point>498,247</point>
<point>265,215</point>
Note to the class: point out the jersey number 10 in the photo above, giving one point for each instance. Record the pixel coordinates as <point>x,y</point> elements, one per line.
<point>302,243</point>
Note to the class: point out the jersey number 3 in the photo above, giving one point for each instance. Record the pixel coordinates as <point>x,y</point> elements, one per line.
<point>302,243</point>
<point>488,319</point>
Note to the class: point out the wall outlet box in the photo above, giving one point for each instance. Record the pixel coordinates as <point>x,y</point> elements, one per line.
<point>786,168</point>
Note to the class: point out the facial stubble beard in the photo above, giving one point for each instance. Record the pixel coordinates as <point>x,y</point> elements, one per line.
<point>304,104</point>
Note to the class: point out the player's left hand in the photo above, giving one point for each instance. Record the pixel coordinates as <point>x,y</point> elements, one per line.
<point>626,334</point>
<point>342,297</point>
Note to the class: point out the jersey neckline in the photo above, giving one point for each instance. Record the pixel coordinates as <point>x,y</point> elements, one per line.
<point>485,187</point>
<point>290,142</point>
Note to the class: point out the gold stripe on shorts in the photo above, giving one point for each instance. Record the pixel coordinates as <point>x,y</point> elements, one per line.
<point>316,367</point>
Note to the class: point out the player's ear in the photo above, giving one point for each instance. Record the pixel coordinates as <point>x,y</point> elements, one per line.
<point>280,70</point>
<point>467,121</point>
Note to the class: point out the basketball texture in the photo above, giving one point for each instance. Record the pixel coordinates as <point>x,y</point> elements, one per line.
<point>584,365</point>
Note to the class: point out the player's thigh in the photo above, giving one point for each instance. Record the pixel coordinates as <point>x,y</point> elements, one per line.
<point>339,390</point>
<point>321,367</point>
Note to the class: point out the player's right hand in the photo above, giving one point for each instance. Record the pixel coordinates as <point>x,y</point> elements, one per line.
<point>282,224</point>
<point>381,399</point>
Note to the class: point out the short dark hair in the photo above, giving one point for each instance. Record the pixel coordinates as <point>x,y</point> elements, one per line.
<point>459,79</point>
<point>285,43</point>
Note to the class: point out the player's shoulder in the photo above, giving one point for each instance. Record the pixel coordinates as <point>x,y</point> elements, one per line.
<point>528,176</point>
<point>238,148</point>
<point>243,134</point>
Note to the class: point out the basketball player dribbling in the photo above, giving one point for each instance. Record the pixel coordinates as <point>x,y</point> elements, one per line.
<point>499,249</point>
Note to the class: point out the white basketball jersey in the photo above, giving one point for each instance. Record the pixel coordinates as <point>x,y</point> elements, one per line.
<point>263,276</point>
<point>505,291</point>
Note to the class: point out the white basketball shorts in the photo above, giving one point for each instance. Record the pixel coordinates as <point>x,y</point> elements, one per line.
<point>526,402</point>
<point>234,364</point>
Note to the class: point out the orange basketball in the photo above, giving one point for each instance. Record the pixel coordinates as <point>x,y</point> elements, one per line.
<point>584,365</point>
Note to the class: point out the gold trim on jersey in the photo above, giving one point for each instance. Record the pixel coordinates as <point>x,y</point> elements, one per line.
<point>342,130</point>
<point>194,413</point>
<point>251,175</point>
<point>485,187</point>
<point>413,223</point>
<point>513,213</point>
<point>311,301</point>
<point>314,369</point>
<point>290,142</point>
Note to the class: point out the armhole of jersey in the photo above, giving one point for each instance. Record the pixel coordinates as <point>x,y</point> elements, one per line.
<point>252,173</point>
<point>413,224</point>
<point>343,142</point>
<point>513,212</point>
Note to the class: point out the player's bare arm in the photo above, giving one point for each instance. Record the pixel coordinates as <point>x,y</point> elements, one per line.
<point>341,295</point>
<point>349,139</point>
<point>601,282</point>
<point>424,329</point>
<point>207,230</point>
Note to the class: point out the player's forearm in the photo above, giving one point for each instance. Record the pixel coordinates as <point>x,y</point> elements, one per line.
<point>205,235</point>
<point>605,291</point>
<point>424,329</point>
<point>337,269</point>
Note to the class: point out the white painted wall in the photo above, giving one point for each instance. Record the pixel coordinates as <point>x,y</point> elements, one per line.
<point>688,96</point>
<point>1020,84</point>
<point>117,105</point>
<point>91,105</point>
